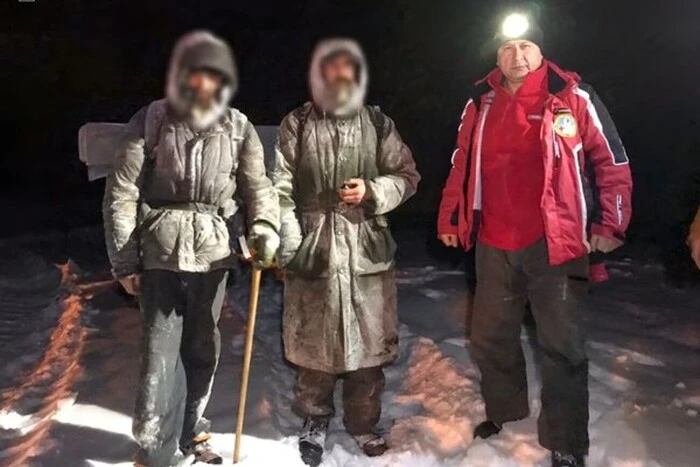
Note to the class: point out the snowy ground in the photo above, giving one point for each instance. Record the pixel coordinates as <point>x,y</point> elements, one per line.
<point>69,371</point>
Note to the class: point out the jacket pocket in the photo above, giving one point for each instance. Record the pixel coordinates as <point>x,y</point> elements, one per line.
<point>312,258</point>
<point>376,246</point>
<point>160,228</point>
<point>210,234</point>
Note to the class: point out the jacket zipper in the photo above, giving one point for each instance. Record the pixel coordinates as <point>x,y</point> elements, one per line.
<point>557,163</point>
<point>557,149</point>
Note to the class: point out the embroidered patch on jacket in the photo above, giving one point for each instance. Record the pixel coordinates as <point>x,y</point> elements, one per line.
<point>565,125</point>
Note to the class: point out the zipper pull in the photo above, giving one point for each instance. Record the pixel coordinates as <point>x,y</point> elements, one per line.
<point>557,152</point>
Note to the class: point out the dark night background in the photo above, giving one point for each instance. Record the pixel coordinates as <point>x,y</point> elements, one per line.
<point>67,62</point>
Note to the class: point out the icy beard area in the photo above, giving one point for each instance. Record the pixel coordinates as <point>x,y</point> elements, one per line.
<point>644,383</point>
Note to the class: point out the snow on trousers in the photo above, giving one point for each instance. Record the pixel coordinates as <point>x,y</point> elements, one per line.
<point>506,281</point>
<point>180,349</point>
<point>362,390</point>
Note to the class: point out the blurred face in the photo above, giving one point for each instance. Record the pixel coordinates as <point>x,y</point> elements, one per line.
<point>340,74</point>
<point>204,86</point>
<point>517,58</point>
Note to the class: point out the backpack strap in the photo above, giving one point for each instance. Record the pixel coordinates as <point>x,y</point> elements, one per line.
<point>378,120</point>
<point>303,113</point>
<point>155,115</point>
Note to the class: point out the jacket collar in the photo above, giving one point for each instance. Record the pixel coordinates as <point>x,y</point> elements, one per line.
<point>560,82</point>
<point>223,124</point>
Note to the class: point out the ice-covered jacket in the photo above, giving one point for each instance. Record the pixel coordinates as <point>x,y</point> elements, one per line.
<point>165,207</point>
<point>588,184</point>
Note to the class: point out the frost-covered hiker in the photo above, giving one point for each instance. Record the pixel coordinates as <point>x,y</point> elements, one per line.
<point>521,188</point>
<point>182,161</point>
<point>341,167</point>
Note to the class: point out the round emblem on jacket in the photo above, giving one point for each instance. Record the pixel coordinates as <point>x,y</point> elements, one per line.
<point>565,125</point>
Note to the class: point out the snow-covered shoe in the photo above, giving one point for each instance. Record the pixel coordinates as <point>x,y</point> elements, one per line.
<point>487,429</point>
<point>202,451</point>
<point>567,460</point>
<point>373,445</point>
<point>179,459</point>
<point>313,440</point>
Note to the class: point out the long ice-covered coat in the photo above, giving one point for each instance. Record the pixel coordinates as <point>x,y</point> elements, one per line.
<point>340,294</point>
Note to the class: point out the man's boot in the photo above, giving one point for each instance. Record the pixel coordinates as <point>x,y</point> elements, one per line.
<point>202,451</point>
<point>179,459</point>
<point>567,460</point>
<point>373,445</point>
<point>312,440</point>
<point>487,429</point>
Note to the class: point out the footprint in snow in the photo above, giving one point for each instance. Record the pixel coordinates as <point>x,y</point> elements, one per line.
<point>609,379</point>
<point>624,355</point>
<point>433,294</point>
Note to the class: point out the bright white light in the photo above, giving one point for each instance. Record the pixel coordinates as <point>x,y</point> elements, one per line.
<point>515,25</point>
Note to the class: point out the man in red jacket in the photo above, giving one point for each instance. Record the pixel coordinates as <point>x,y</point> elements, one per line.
<point>540,179</point>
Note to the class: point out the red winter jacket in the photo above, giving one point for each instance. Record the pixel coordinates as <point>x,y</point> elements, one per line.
<point>587,180</point>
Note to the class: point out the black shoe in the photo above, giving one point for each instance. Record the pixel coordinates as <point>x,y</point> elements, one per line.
<point>312,440</point>
<point>487,429</point>
<point>567,460</point>
<point>373,445</point>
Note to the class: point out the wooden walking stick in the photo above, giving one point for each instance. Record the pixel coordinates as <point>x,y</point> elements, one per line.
<point>248,354</point>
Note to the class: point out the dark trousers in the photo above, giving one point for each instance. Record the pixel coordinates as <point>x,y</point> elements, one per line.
<point>180,349</point>
<point>506,282</point>
<point>362,390</point>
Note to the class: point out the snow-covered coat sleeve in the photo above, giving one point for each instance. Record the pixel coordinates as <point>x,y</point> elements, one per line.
<point>453,191</point>
<point>121,199</point>
<point>398,178</point>
<point>255,188</point>
<point>283,179</point>
<point>605,152</point>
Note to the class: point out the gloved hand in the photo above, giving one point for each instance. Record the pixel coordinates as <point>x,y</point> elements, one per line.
<point>131,284</point>
<point>265,241</point>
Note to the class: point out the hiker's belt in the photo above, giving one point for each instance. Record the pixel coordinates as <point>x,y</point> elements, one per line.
<point>191,206</point>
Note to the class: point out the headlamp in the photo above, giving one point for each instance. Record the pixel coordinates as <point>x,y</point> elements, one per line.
<point>515,26</point>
